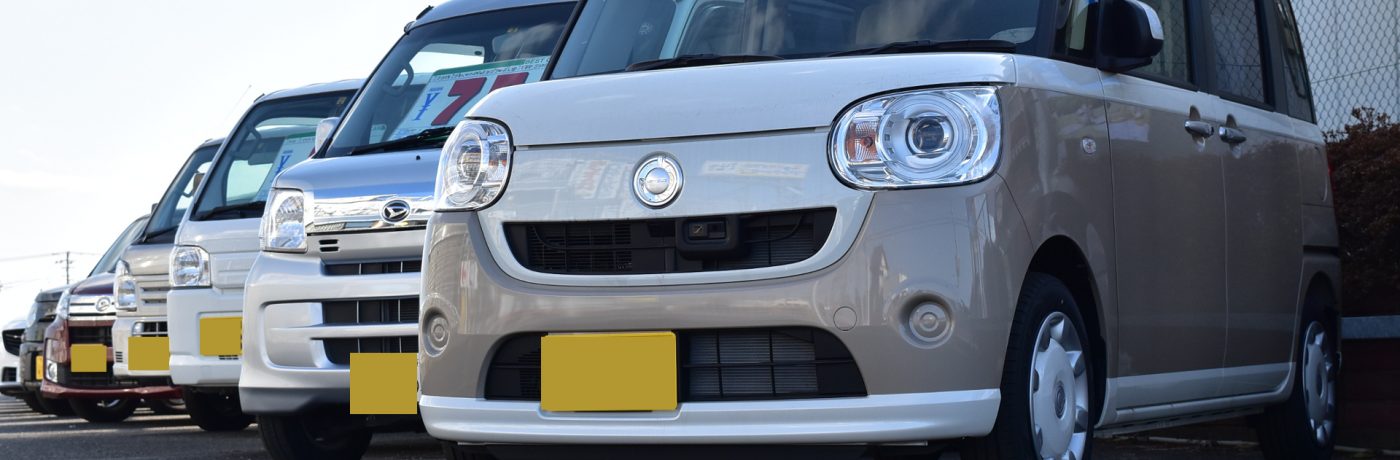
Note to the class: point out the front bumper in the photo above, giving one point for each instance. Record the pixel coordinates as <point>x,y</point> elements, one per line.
<point>286,367</point>
<point>29,376</point>
<point>188,366</point>
<point>871,419</point>
<point>121,349</point>
<point>54,390</point>
<point>962,247</point>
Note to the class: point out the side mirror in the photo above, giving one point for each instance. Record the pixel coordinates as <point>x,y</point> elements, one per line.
<point>323,132</point>
<point>1132,35</point>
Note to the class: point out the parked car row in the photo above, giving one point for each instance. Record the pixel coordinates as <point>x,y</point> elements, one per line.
<point>1002,226</point>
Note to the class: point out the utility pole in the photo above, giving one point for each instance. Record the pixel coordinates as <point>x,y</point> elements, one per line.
<point>67,264</point>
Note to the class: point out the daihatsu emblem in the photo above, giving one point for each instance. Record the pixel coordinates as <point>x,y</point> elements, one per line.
<point>395,211</point>
<point>657,181</point>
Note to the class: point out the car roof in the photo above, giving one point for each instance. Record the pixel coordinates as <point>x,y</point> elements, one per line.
<point>456,8</point>
<point>353,84</point>
<point>211,143</point>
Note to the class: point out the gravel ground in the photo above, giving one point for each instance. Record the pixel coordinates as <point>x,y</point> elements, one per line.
<point>30,436</point>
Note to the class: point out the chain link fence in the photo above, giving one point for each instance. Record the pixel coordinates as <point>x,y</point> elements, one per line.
<point>1353,53</point>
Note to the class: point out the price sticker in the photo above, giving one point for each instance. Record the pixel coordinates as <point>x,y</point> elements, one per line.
<point>450,92</point>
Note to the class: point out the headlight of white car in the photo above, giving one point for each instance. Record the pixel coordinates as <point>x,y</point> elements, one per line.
<point>124,287</point>
<point>189,267</point>
<point>922,138</point>
<point>474,166</point>
<point>284,222</point>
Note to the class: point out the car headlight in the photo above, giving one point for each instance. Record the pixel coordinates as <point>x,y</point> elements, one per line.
<point>124,287</point>
<point>284,222</point>
<point>62,310</point>
<point>189,267</point>
<point>919,138</point>
<point>474,166</point>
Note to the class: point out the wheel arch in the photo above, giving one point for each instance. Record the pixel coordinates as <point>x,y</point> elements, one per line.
<point>1060,257</point>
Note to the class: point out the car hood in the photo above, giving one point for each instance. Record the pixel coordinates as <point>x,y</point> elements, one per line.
<point>98,284</point>
<point>356,188</point>
<point>723,99</point>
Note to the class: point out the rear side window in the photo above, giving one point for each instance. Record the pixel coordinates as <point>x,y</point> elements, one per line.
<point>1174,62</point>
<point>1297,88</point>
<point>1239,63</point>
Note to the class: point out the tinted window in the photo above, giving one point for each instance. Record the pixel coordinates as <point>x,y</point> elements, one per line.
<point>1174,62</point>
<point>108,262</point>
<point>1239,65</point>
<point>166,218</point>
<point>611,35</point>
<point>1073,21</point>
<point>1297,88</point>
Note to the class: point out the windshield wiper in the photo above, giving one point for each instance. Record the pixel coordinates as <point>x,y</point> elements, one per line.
<point>696,60</point>
<point>239,209</point>
<point>431,137</point>
<point>927,46</point>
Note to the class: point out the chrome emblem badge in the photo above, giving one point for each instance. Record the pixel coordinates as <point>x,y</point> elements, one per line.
<point>104,304</point>
<point>657,181</point>
<point>395,211</point>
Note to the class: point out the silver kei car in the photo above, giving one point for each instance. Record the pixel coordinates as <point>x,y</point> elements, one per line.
<point>1004,225</point>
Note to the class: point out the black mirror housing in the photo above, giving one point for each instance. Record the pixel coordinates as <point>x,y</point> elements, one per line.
<point>1132,34</point>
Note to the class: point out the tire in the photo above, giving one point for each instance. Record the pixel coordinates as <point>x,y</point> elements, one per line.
<point>216,411</point>
<point>104,410</point>
<point>166,406</point>
<point>452,451</point>
<point>53,406</point>
<point>290,437</point>
<point>1052,417</point>
<point>32,400</point>
<point>1304,426</point>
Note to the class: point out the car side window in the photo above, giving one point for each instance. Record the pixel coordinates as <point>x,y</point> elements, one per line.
<point>1239,62</point>
<point>1174,62</point>
<point>1297,87</point>
<point>1074,31</point>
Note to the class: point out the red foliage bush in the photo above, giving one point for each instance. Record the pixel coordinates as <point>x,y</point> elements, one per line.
<point>1365,160</point>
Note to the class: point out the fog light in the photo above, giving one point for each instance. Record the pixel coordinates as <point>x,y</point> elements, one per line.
<point>930,322</point>
<point>437,331</point>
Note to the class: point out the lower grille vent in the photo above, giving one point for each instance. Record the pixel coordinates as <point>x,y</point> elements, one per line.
<point>379,311</point>
<point>9,374</point>
<point>88,335</point>
<point>715,365</point>
<point>338,350</point>
<point>374,268</point>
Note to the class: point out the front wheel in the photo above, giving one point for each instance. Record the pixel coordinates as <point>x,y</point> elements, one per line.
<point>1303,426</point>
<point>104,410</point>
<point>1047,381</point>
<point>166,406</point>
<point>289,437</point>
<point>216,411</point>
<point>54,406</point>
<point>32,400</point>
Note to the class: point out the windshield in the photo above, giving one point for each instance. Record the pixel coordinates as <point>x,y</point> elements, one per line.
<point>438,71</point>
<point>166,218</point>
<point>612,35</point>
<point>108,262</point>
<point>273,136</point>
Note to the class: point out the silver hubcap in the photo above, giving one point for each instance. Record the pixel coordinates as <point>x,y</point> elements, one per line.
<point>1059,390</point>
<point>1319,382</point>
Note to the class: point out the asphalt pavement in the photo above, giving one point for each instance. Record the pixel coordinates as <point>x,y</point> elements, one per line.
<point>30,436</point>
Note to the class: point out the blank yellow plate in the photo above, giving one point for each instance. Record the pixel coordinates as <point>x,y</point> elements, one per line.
<point>383,383</point>
<point>38,367</point>
<point>608,372</point>
<point>88,357</point>
<point>148,354</point>
<point>222,336</point>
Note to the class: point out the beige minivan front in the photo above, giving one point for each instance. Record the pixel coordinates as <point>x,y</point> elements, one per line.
<point>1005,224</point>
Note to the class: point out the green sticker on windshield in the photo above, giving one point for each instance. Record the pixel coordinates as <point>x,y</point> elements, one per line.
<point>450,92</point>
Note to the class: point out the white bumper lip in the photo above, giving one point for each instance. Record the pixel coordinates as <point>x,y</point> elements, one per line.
<point>187,365</point>
<point>870,419</point>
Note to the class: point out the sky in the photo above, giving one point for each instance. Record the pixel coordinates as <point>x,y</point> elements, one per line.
<point>102,101</point>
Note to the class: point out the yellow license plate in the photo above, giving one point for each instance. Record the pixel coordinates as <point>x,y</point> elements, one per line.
<point>608,372</point>
<point>148,354</point>
<point>221,336</point>
<point>88,357</point>
<point>39,367</point>
<point>383,383</point>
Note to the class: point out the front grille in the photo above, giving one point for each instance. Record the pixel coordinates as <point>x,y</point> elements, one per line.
<point>672,245</point>
<point>374,268</point>
<point>12,339</point>
<point>379,311</point>
<point>715,365</point>
<point>9,374</point>
<point>338,350</point>
<point>118,356</point>
<point>102,335</point>
<point>104,380</point>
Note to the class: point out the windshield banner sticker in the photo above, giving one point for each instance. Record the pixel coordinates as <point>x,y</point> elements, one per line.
<point>295,148</point>
<point>450,92</point>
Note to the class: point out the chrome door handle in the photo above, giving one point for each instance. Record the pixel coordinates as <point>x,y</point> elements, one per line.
<point>1232,135</point>
<point>1200,129</point>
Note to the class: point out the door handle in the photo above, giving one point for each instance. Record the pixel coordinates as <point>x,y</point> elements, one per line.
<point>1200,129</point>
<point>1232,136</point>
